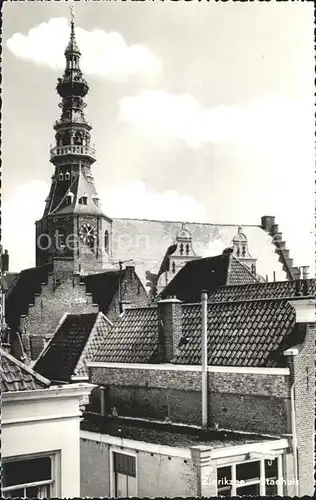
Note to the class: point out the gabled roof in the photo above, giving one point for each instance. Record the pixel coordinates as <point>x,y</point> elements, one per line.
<point>207,274</point>
<point>268,290</point>
<point>75,342</point>
<point>239,333</point>
<point>22,292</point>
<point>16,376</point>
<point>133,338</point>
<point>103,287</point>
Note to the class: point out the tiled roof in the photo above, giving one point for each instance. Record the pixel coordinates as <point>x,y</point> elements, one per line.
<point>165,434</point>
<point>269,290</point>
<point>207,274</point>
<point>133,338</point>
<point>16,376</point>
<point>76,339</point>
<point>239,333</point>
<point>23,290</point>
<point>150,239</point>
<point>248,333</point>
<point>239,274</point>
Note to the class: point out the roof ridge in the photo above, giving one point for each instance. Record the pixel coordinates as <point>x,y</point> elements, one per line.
<point>187,222</point>
<point>101,315</point>
<point>25,367</point>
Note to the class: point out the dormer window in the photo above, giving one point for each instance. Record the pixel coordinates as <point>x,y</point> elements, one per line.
<point>83,200</point>
<point>67,176</point>
<point>69,198</point>
<point>61,176</point>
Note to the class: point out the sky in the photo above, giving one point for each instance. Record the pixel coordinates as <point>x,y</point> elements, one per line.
<point>201,111</point>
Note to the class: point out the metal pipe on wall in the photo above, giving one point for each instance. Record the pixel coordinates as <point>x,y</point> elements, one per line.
<point>204,360</point>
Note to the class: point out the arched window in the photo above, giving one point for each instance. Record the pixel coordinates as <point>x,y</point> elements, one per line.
<point>106,241</point>
<point>78,139</point>
<point>173,267</point>
<point>181,248</point>
<point>243,251</point>
<point>253,268</point>
<point>61,176</point>
<point>67,176</point>
<point>66,139</point>
<point>187,248</point>
<point>238,252</point>
<point>60,238</point>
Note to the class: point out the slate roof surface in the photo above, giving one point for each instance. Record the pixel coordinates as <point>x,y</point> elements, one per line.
<point>165,434</point>
<point>76,339</point>
<point>207,274</point>
<point>270,290</point>
<point>16,376</point>
<point>133,338</point>
<point>22,292</point>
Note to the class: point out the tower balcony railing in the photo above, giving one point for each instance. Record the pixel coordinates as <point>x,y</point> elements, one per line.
<point>72,150</point>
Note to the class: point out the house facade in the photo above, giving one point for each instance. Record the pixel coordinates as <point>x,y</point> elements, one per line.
<point>40,433</point>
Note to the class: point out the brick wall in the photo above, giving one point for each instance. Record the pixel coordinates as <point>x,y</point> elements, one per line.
<point>55,299</point>
<point>304,364</point>
<point>157,475</point>
<point>261,401</point>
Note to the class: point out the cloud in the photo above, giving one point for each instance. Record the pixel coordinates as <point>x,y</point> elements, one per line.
<point>103,54</point>
<point>20,211</point>
<point>136,200</point>
<point>267,119</point>
<point>132,199</point>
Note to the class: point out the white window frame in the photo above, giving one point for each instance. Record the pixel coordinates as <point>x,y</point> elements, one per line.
<point>131,453</point>
<point>260,481</point>
<point>53,483</point>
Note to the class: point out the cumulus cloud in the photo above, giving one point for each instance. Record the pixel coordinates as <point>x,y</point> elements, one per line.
<point>103,54</point>
<point>269,119</point>
<point>135,200</point>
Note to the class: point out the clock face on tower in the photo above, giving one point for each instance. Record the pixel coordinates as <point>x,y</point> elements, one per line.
<point>87,234</point>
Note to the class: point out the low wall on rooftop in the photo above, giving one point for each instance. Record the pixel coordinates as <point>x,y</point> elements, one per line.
<point>243,401</point>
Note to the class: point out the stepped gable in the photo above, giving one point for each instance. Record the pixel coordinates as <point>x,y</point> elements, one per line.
<point>103,287</point>
<point>16,376</point>
<point>23,290</point>
<point>149,240</point>
<point>76,340</point>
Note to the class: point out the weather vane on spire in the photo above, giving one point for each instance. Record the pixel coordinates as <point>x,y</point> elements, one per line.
<point>72,14</point>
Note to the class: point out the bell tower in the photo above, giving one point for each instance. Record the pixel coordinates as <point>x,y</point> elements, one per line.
<point>73,227</point>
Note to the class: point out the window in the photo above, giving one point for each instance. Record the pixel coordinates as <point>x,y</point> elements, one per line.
<point>61,176</point>
<point>67,176</point>
<point>106,241</point>
<point>253,478</point>
<point>83,200</point>
<point>28,477</point>
<point>124,475</point>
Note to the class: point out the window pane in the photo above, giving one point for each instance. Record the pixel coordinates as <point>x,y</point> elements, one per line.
<point>120,485</point>
<point>249,470</point>
<point>271,490</point>
<point>26,471</point>
<point>271,468</point>
<point>224,476</point>
<point>14,493</point>
<point>251,489</point>
<point>125,464</point>
<point>38,491</point>
<point>131,486</point>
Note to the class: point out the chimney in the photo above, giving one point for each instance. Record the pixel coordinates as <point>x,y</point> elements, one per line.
<point>305,270</point>
<point>267,222</point>
<point>5,262</point>
<point>296,273</point>
<point>304,310</point>
<point>169,328</point>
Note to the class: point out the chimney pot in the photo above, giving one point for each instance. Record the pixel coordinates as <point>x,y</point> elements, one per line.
<point>267,222</point>
<point>305,270</point>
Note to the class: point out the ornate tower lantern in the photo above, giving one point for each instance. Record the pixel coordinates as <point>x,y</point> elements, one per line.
<point>73,226</point>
